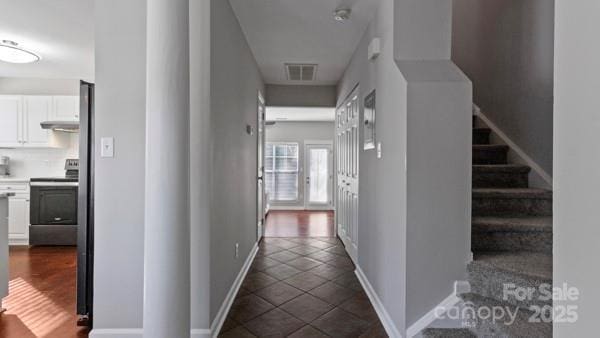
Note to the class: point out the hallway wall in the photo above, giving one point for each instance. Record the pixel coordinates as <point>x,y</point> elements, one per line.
<point>235,82</point>
<point>382,187</point>
<point>506,47</point>
<point>119,181</point>
<point>576,159</point>
<point>300,96</point>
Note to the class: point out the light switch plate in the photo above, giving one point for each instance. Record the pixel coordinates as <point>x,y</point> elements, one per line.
<point>107,145</point>
<point>379,150</point>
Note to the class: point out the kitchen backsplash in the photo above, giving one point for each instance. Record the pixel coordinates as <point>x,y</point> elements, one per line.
<point>43,162</point>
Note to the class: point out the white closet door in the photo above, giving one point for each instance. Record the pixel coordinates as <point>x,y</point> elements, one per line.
<point>347,143</point>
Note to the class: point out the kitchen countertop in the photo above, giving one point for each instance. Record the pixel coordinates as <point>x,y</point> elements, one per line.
<point>13,180</point>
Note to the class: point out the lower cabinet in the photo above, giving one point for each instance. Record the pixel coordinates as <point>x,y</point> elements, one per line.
<point>18,219</point>
<point>18,212</point>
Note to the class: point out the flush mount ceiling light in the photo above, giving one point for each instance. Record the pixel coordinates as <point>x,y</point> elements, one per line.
<point>342,14</point>
<point>11,52</point>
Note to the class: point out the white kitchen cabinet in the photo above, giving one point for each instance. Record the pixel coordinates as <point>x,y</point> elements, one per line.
<point>11,111</point>
<point>18,211</point>
<point>36,109</point>
<point>21,116</point>
<point>18,219</point>
<point>65,108</point>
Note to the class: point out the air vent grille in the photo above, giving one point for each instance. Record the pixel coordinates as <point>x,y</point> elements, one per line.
<point>300,72</point>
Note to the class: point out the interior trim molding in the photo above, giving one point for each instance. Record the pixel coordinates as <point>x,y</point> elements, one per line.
<point>118,333</point>
<point>237,283</point>
<point>460,287</point>
<point>383,315</point>
<point>537,170</point>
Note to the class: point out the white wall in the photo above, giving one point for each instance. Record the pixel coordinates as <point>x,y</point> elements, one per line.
<point>506,47</point>
<point>235,82</point>
<point>576,161</point>
<point>382,187</point>
<point>119,181</point>
<point>298,132</point>
<point>200,162</point>
<point>411,255</point>
<point>35,86</point>
<point>300,96</point>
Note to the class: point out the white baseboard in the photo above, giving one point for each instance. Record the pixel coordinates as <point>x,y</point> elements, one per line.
<point>130,333</point>
<point>237,283</point>
<point>539,177</point>
<point>383,315</point>
<point>200,333</point>
<point>18,241</point>
<point>460,287</point>
<point>116,333</point>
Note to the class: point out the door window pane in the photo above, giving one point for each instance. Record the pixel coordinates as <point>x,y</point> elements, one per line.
<point>319,176</point>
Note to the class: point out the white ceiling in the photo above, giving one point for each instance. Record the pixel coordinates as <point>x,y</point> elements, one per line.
<point>60,31</point>
<point>299,114</point>
<point>302,31</point>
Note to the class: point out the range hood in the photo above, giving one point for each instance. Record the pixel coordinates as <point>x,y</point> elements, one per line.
<point>68,126</point>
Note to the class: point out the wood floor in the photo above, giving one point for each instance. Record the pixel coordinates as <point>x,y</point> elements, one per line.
<point>42,294</point>
<point>300,224</point>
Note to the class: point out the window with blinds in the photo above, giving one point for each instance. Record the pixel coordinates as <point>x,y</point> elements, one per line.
<point>281,171</point>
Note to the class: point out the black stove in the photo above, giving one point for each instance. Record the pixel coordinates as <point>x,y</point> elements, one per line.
<point>53,208</point>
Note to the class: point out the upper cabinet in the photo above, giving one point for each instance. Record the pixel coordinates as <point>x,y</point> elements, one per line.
<point>11,109</point>
<point>66,108</point>
<point>36,109</point>
<point>21,116</point>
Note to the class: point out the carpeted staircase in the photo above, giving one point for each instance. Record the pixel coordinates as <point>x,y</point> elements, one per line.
<point>512,244</point>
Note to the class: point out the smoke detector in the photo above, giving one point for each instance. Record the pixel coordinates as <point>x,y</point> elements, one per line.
<point>342,14</point>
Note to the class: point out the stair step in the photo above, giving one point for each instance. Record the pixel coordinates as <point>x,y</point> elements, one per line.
<point>490,154</point>
<point>481,135</point>
<point>501,176</point>
<point>505,327</point>
<point>511,202</point>
<point>447,333</point>
<point>512,234</point>
<point>489,272</point>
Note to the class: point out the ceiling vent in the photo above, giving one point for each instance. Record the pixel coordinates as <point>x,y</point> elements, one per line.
<point>300,72</point>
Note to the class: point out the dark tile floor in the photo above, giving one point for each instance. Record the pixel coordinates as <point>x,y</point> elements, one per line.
<point>302,287</point>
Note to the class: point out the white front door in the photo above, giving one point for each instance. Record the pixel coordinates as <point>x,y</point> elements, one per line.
<point>347,145</point>
<point>318,172</point>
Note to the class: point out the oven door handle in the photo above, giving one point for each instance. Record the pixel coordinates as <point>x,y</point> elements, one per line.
<point>54,184</point>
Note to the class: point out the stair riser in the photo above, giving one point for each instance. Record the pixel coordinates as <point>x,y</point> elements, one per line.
<point>511,207</point>
<point>481,136</point>
<point>500,180</point>
<point>489,282</point>
<point>512,241</point>
<point>489,156</point>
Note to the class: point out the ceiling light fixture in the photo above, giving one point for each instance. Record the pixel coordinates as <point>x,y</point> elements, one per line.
<point>342,14</point>
<point>11,52</point>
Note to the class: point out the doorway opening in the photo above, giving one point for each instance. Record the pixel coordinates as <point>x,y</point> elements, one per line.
<point>299,171</point>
